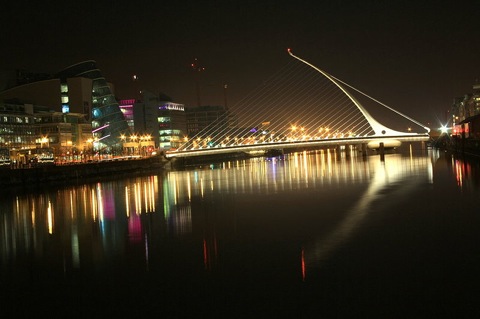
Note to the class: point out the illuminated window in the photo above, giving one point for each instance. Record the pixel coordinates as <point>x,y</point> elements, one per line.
<point>467,129</point>
<point>96,113</point>
<point>63,88</point>
<point>64,99</point>
<point>164,120</point>
<point>165,132</point>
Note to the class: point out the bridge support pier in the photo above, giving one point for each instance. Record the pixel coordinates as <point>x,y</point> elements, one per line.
<point>348,150</point>
<point>364,150</point>
<point>381,150</point>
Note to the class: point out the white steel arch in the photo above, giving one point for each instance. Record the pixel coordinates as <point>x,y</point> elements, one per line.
<point>378,128</point>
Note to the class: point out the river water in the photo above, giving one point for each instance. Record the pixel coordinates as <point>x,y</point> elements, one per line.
<point>308,235</point>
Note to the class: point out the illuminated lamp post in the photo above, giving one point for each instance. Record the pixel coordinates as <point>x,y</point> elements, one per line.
<point>293,128</point>
<point>147,138</point>
<point>320,130</point>
<point>198,142</point>
<point>95,148</point>
<point>89,148</point>
<point>141,145</point>
<point>134,138</point>
<point>123,138</point>
<point>44,140</point>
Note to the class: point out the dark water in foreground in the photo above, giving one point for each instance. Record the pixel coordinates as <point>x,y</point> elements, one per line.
<point>312,235</point>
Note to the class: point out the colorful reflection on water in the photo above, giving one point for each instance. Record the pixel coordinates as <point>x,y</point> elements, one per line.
<point>105,215</point>
<point>313,203</point>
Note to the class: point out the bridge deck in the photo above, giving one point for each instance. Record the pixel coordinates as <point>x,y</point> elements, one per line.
<point>296,144</point>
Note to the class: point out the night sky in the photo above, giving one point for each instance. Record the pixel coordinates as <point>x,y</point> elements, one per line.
<point>414,56</point>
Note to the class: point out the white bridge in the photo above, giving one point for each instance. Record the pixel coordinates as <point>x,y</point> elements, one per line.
<point>300,109</point>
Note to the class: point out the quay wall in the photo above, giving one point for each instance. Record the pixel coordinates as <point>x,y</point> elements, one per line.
<point>77,173</point>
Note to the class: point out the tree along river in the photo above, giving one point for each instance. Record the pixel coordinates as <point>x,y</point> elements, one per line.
<point>317,234</point>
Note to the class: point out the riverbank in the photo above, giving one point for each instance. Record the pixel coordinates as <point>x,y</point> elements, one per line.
<point>459,146</point>
<point>52,175</point>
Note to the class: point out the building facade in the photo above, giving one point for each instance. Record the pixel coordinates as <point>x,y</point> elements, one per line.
<point>17,132</point>
<point>108,122</point>
<point>205,123</point>
<point>172,125</point>
<point>149,116</point>
<point>67,135</point>
<point>466,106</point>
<point>126,107</point>
<point>35,134</point>
<point>78,89</point>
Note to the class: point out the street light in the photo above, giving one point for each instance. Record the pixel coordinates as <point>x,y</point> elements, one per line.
<point>293,128</point>
<point>134,138</point>
<point>443,129</point>
<point>43,140</point>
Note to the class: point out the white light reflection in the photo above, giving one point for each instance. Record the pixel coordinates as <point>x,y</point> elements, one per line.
<point>385,174</point>
<point>50,218</point>
<point>94,205</point>
<point>305,166</point>
<point>145,197</point>
<point>75,247</point>
<point>74,236</point>
<point>100,201</point>
<point>189,188</point>
<point>127,202</point>
<point>268,176</point>
<point>177,189</point>
<point>137,198</point>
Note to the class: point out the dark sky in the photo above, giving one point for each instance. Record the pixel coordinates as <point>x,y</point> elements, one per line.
<point>414,56</point>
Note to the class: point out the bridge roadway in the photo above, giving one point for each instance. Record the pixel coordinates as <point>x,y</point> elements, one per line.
<point>250,148</point>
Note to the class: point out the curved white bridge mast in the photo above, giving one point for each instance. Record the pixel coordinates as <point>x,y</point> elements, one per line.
<point>378,128</point>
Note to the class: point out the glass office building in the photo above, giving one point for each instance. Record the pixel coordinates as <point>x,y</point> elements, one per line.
<point>108,122</point>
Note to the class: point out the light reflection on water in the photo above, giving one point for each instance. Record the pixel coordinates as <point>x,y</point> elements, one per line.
<point>71,210</point>
<point>394,178</point>
<point>32,217</point>
<point>88,227</point>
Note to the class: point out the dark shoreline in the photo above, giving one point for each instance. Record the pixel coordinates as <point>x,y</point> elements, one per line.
<point>73,174</point>
<point>463,147</point>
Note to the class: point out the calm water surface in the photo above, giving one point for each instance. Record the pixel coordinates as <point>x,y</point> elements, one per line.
<point>308,235</point>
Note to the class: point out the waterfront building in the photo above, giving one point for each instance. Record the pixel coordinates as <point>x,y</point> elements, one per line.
<point>78,89</point>
<point>466,106</point>
<point>68,136</point>
<point>126,107</point>
<point>17,132</point>
<point>172,126</point>
<point>152,115</point>
<point>204,121</point>
<point>34,133</point>
<point>145,113</point>
<point>108,122</point>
